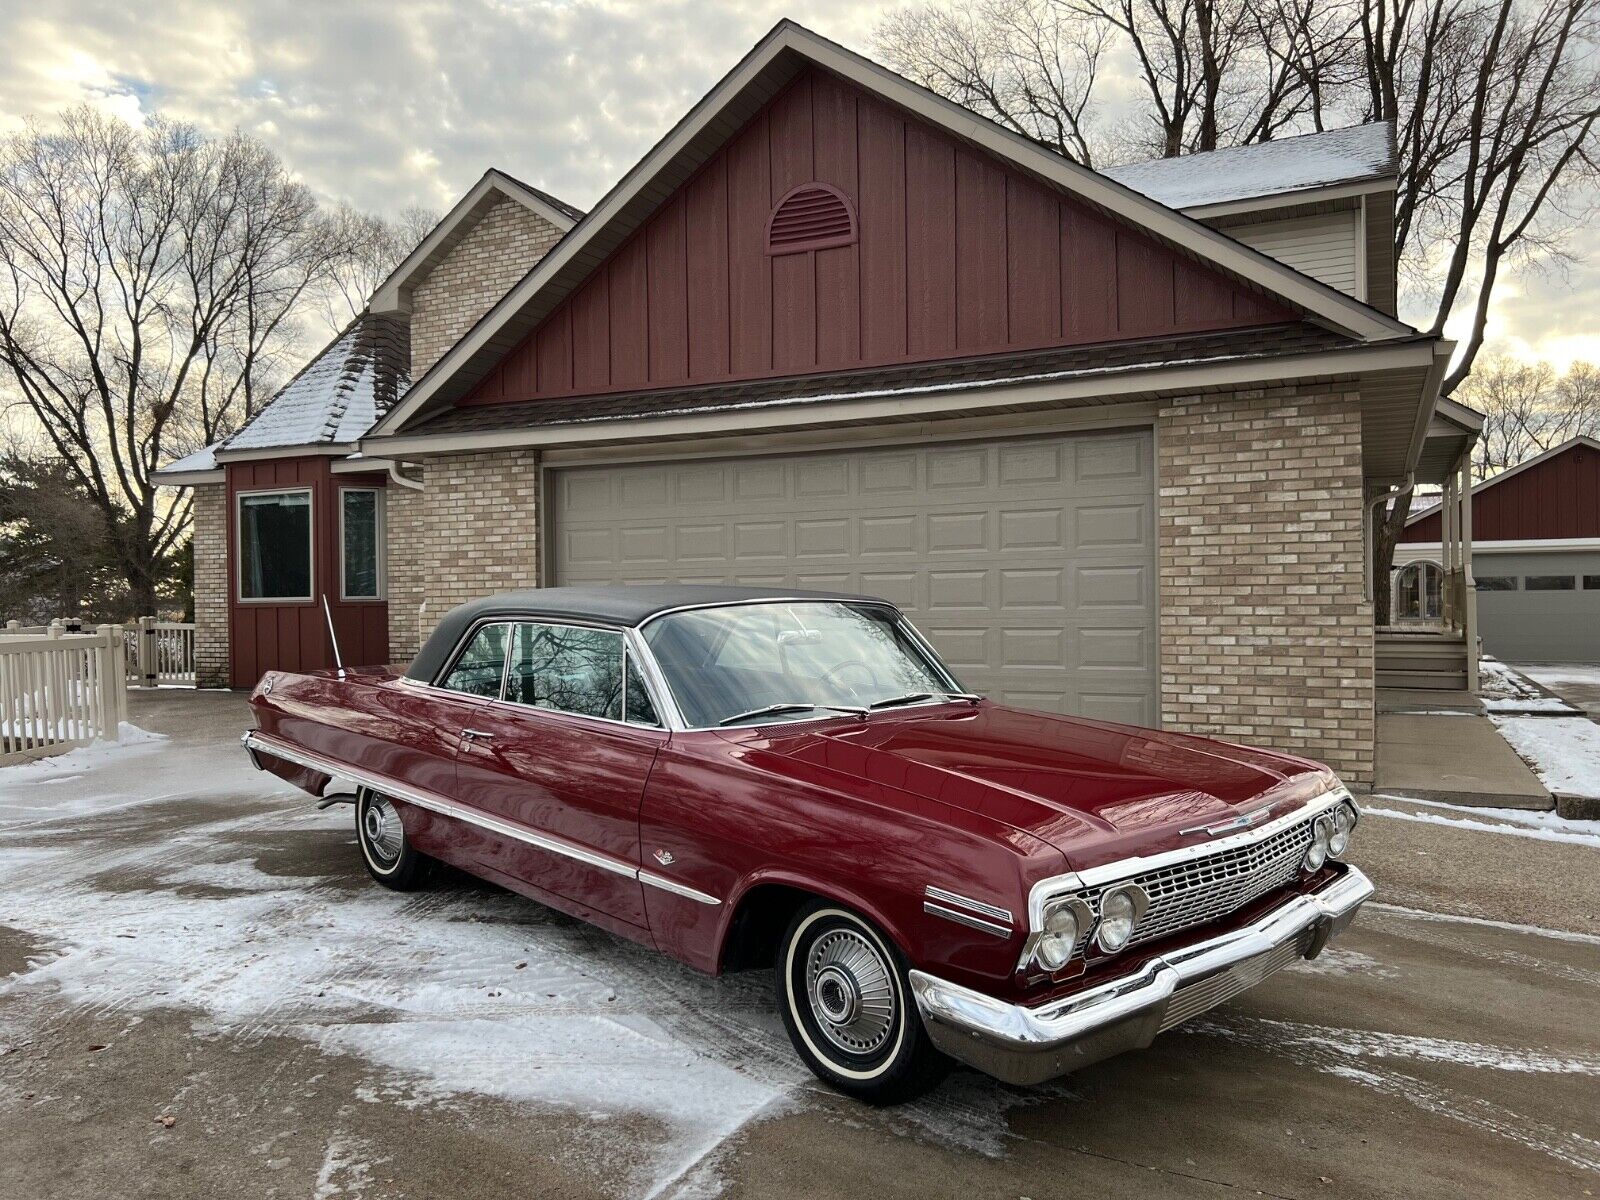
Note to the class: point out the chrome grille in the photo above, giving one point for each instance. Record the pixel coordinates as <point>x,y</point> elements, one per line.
<point>1209,886</point>
<point>1198,997</point>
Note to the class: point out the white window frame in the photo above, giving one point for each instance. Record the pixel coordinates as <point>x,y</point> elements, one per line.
<point>379,541</point>
<point>311,544</point>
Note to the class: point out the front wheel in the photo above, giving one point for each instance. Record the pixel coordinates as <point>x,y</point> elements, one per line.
<point>846,1002</point>
<point>389,856</point>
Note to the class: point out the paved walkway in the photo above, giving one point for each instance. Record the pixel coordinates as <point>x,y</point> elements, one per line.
<point>1454,758</point>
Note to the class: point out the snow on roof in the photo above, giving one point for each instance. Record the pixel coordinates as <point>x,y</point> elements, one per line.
<point>340,393</point>
<point>1291,164</point>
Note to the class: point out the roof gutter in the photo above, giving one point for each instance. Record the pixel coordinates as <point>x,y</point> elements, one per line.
<point>1051,390</point>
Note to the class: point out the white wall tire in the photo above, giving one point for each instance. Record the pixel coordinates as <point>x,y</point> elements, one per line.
<point>385,849</point>
<point>846,1002</point>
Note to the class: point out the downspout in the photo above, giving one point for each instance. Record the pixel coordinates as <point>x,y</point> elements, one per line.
<point>1395,493</point>
<point>394,473</point>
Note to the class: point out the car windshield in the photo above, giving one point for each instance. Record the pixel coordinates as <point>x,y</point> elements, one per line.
<point>789,660</point>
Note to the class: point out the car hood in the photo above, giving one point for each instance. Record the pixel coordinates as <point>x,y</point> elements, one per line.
<point>1096,791</point>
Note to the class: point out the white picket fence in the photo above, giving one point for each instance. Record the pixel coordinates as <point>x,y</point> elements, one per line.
<point>59,690</point>
<point>154,652</point>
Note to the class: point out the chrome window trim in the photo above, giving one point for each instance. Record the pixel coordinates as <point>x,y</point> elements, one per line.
<point>1056,886</point>
<point>668,715</point>
<point>681,723</point>
<point>255,742</point>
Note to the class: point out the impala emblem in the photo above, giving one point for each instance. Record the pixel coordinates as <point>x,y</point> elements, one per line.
<point>664,857</point>
<point>1243,821</point>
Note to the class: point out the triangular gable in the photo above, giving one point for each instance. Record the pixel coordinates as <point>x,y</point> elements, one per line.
<point>394,293</point>
<point>772,66</point>
<point>1423,524</point>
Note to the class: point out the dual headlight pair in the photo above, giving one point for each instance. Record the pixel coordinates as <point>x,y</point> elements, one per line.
<point>1068,919</point>
<point>1330,835</point>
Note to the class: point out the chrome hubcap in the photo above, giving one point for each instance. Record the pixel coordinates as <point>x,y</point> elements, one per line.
<point>851,993</point>
<point>381,824</point>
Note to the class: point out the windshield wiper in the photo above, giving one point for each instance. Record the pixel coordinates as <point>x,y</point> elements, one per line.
<point>918,697</point>
<point>791,707</point>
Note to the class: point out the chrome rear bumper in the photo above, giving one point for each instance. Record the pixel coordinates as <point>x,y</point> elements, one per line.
<point>1030,1045</point>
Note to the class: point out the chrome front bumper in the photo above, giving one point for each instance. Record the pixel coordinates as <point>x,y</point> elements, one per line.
<point>1030,1045</point>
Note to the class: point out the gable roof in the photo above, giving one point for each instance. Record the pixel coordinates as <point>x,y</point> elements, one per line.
<point>1511,472</point>
<point>774,61</point>
<point>393,295</point>
<point>1286,169</point>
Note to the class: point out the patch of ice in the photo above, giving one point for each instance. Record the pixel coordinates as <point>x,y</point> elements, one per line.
<point>1419,914</point>
<point>1552,674</point>
<point>1581,833</point>
<point>1336,960</point>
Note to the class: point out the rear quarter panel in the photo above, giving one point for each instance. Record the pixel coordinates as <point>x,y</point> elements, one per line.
<point>733,815</point>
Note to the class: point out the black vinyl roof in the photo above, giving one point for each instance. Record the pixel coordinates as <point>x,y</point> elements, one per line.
<point>610,604</point>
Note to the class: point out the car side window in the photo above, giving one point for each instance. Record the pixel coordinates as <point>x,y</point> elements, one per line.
<point>638,708</point>
<point>481,666</point>
<point>567,668</point>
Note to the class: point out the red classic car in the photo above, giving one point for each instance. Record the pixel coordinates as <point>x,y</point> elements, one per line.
<point>744,777</point>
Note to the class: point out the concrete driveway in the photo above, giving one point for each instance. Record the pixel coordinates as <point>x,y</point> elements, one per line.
<point>202,996</point>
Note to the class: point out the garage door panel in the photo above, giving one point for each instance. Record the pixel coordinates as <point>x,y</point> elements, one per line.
<point>1029,563</point>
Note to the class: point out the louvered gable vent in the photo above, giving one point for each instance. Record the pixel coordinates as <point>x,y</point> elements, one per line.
<point>812,216</point>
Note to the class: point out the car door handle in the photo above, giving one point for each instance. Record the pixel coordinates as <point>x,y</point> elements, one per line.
<point>477,735</point>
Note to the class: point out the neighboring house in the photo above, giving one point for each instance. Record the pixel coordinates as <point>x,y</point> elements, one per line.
<point>1535,558</point>
<point>1112,449</point>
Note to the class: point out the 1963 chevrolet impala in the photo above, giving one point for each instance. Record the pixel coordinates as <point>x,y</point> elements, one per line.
<point>743,777</point>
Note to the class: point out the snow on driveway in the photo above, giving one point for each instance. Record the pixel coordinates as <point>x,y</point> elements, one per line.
<point>1564,751</point>
<point>457,990</point>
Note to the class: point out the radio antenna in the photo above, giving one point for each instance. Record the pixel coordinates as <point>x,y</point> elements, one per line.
<point>338,659</point>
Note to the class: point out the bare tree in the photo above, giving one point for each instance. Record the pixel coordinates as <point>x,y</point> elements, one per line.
<point>375,245</point>
<point>148,285</point>
<point>1527,409</point>
<point>1029,65</point>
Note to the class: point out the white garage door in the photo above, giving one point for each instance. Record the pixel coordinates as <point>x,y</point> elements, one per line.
<point>1029,563</point>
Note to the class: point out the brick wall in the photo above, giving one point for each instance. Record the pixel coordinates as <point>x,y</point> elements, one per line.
<point>1265,635</point>
<point>496,252</point>
<point>473,531</point>
<point>211,588</point>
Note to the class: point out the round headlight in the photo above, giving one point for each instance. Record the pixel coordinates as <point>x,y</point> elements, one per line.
<point>1321,835</point>
<point>1120,909</point>
<point>1344,824</point>
<point>1058,938</point>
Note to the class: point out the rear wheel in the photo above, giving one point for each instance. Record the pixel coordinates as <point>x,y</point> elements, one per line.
<point>846,1002</point>
<point>388,854</point>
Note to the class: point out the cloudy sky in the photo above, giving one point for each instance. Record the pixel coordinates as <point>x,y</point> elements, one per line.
<point>408,101</point>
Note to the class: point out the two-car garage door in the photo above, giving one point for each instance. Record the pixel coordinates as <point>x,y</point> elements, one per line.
<point>1029,563</point>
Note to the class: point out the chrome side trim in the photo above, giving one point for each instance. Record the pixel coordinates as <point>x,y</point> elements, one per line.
<point>960,901</point>
<point>256,741</point>
<point>971,920</point>
<point>651,879</point>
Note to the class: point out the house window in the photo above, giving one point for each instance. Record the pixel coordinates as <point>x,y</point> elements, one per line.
<point>361,543</point>
<point>275,545</point>
<point>1497,583</point>
<point>1591,583</point>
<point>1548,583</point>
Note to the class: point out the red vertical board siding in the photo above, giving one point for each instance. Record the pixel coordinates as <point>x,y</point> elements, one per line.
<point>293,636</point>
<point>630,335</point>
<point>957,254</point>
<point>750,199</point>
<point>668,300</point>
<point>981,253</point>
<point>838,275</point>
<point>555,354</point>
<point>881,215</point>
<point>591,335</point>
<point>1088,249</point>
<point>930,244</point>
<point>1558,498</point>
<point>1033,264</point>
<point>794,276</point>
<point>706,232</point>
